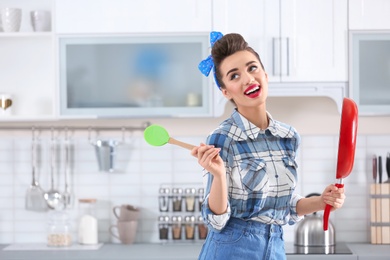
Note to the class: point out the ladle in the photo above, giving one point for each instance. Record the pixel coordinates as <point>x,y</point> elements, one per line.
<point>156,135</point>
<point>53,197</point>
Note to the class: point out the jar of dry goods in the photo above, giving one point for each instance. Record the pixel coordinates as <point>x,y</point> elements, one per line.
<point>59,233</point>
<point>88,223</point>
<point>190,227</point>
<point>190,199</point>
<point>200,198</point>
<point>202,228</point>
<point>176,227</point>
<point>177,199</point>
<point>163,227</point>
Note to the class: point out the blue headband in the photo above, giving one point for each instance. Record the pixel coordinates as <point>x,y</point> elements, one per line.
<point>207,64</point>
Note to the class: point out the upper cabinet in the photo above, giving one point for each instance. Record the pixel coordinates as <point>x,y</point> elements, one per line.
<point>369,14</point>
<point>369,59</point>
<point>302,43</point>
<point>26,64</point>
<point>298,41</point>
<point>134,75</point>
<point>133,16</point>
<point>105,58</point>
<point>133,58</point>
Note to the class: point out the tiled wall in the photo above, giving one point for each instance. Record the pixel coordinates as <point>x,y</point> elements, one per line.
<point>144,168</point>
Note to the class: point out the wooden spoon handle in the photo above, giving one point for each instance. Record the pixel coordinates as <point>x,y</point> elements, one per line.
<point>181,144</point>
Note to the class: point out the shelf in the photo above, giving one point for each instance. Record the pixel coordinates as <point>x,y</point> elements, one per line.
<point>25,34</point>
<point>16,118</point>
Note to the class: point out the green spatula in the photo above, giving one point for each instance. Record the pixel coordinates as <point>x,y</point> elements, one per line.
<point>156,135</point>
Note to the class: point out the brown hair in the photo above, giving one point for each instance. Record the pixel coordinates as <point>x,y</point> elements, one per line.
<point>226,46</point>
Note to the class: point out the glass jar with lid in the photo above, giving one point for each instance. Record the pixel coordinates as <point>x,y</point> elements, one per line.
<point>163,226</point>
<point>202,228</point>
<point>88,224</point>
<point>190,227</point>
<point>59,233</point>
<point>190,199</point>
<point>176,227</point>
<point>200,198</point>
<point>177,199</point>
<point>163,199</point>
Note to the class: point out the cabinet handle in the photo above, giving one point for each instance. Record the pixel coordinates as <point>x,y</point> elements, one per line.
<point>285,57</point>
<point>273,55</point>
<point>288,55</point>
<point>276,57</point>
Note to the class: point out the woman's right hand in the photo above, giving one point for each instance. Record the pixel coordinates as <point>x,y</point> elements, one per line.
<point>209,159</point>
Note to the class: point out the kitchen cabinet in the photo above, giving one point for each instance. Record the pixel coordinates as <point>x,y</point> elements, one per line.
<point>369,47</point>
<point>298,41</point>
<point>132,16</point>
<point>369,71</point>
<point>369,14</point>
<point>31,59</point>
<point>136,75</point>
<point>302,43</point>
<point>26,65</point>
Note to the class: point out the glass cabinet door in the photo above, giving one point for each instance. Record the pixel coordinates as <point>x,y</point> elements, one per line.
<point>133,76</point>
<point>370,72</point>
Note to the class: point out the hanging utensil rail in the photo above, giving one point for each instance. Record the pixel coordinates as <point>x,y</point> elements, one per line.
<point>78,128</point>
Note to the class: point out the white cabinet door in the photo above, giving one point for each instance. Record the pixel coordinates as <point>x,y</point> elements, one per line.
<point>369,14</point>
<point>314,40</point>
<point>298,41</point>
<point>132,16</point>
<point>257,21</point>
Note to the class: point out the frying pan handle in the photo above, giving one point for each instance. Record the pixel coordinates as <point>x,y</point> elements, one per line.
<point>328,208</point>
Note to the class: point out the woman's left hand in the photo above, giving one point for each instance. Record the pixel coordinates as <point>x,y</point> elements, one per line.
<point>333,196</point>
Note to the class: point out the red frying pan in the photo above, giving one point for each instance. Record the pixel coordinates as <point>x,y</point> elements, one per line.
<point>347,145</point>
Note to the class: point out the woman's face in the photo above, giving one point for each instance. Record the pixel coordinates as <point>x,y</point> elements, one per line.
<point>245,80</point>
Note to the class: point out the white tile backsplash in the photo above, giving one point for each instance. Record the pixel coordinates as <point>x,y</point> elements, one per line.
<point>143,168</point>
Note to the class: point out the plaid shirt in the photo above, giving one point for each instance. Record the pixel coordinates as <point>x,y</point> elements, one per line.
<point>261,172</point>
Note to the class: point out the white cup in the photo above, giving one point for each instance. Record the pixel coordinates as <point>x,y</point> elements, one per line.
<point>11,19</point>
<point>40,20</point>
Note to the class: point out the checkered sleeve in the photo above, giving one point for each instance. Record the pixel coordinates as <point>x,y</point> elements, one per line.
<point>294,218</point>
<point>213,221</point>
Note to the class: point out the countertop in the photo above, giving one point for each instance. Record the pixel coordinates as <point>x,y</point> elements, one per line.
<point>171,252</point>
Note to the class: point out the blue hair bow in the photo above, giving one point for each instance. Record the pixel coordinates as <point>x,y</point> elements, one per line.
<point>207,64</point>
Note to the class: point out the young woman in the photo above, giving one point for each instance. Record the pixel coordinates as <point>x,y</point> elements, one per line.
<point>249,163</point>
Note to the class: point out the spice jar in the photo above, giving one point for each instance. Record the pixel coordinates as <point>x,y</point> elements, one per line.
<point>190,199</point>
<point>59,234</point>
<point>190,227</point>
<point>163,199</point>
<point>88,224</point>
<point>177,199</point>
<point>200,198</point>
<point>202,228</point>
<point>163,227</point>
<point>176,227</point>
